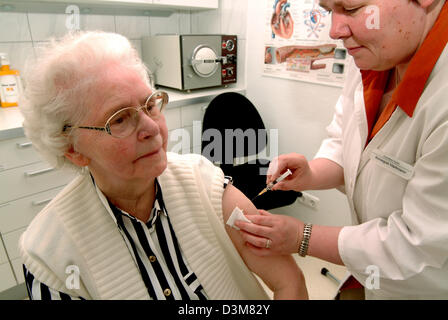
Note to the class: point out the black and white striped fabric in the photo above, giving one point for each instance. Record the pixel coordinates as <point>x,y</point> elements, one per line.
<point>156,253</point>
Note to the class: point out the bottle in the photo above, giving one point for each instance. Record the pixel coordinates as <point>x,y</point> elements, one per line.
<point>9,83</point>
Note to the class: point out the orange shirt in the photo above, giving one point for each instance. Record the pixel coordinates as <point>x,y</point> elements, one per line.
<point>408,92</point>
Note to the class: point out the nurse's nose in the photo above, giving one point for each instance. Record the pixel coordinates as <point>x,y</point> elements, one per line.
<point>147,127</point>
<point>339,27</point>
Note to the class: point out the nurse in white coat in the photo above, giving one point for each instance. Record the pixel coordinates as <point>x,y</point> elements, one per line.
<point>387,150</point>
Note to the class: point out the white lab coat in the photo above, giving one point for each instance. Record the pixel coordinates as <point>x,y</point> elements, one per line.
<point>403,224</point>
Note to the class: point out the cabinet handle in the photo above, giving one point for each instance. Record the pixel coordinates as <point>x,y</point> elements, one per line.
<point>41,202</point>
<point>35,173</point>
<point>24,145</point>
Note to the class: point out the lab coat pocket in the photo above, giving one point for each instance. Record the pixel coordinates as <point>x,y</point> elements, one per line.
<point>392,164</point>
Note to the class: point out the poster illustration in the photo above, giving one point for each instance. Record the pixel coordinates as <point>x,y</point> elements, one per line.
<point>298,45</point>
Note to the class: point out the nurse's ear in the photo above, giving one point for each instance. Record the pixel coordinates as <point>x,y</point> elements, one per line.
<point>76,158</point>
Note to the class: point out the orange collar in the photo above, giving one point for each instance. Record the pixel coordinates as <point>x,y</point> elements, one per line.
<point>408,92</point>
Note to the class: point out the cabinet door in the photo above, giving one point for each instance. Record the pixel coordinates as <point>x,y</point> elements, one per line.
<point>31,179</point>
<point>3,256</point>
<point>16,153</point>
<point>19,213</point>
<point>11,241</point>
<point>206,4</point>
<point>7,279</point>
<point>17,268</point>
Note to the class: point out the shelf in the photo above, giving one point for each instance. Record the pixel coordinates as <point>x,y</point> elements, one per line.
<point>114,7</point>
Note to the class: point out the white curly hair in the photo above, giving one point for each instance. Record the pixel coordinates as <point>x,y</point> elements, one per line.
<point>57,86</point>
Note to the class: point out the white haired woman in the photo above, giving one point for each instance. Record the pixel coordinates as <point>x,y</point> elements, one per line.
<point>138,222</point>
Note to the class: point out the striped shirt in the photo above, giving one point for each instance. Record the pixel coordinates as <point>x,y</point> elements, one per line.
<point>156,253</point>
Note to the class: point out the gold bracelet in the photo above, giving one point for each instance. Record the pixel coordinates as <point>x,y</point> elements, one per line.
<point>303,249</point>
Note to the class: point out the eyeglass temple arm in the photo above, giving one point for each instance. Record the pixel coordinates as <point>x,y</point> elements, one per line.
<point>85,127</point>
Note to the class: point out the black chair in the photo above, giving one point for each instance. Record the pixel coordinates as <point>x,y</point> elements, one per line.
<point>233,128</point>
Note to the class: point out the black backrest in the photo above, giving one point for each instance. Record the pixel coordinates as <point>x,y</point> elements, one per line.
<point>242,132</point>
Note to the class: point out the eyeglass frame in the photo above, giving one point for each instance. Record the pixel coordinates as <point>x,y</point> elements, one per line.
<point>106,128</point>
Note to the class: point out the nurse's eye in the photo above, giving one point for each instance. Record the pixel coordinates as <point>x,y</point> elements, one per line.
<point>351,10</point>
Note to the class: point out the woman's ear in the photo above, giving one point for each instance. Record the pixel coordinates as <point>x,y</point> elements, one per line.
<point>76,158</point>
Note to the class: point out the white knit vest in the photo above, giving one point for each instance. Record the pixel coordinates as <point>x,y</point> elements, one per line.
<point>75,229</point>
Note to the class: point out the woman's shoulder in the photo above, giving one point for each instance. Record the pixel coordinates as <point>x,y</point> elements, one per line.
<point>190,159</point>
<point>47,219</point>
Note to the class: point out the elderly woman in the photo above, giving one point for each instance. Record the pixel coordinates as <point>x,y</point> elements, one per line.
<point>387,149</point>
<point>138,222</point>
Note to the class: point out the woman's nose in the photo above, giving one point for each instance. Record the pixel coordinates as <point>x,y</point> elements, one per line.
<point>147,127</point>
<point>339,27</point>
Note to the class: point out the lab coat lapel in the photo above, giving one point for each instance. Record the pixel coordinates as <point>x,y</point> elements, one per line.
<point>379,139</point>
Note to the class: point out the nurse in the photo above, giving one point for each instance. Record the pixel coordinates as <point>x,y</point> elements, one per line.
<point>387,149</point>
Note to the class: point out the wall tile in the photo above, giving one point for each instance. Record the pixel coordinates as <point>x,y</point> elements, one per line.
<point>234,17</point>
<point>97,22</point>
<point>184,22</point>
<point>172,116</point>
<point>192,113</point>
<point>165,22</point>
<point>132,27</point>
<point>241,64</point>
<point>14,27</point>
<point>45,25</point>
<point>18,53</point>
<point>208,21</point>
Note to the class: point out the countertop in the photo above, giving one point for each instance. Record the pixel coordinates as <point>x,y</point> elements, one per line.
<point>11,119</point>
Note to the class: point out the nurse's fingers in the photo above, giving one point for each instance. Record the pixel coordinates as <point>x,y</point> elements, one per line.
<point>276,167</point>
<point>257,245</point>
<point>255,240</point>
<point>253,228</point>
<point>262,252</point>
<point>264,212</point>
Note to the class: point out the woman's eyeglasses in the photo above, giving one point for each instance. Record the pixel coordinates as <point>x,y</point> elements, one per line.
<point>123,122</point>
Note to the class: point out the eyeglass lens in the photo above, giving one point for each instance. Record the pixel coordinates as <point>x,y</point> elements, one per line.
<point>124,122</point>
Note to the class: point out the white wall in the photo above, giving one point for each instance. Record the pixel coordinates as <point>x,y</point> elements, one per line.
<point>299,110</point>
<point>22,32</point>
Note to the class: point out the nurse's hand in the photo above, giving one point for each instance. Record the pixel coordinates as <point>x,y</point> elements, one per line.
<point>299,180</point>
<point>278,232</point>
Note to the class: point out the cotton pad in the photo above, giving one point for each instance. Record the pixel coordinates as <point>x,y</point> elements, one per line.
<point>237,214</point>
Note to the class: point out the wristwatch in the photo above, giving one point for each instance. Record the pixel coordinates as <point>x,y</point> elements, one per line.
<point>303,249</point>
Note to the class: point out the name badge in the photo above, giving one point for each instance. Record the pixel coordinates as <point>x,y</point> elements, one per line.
<point>396,166</point>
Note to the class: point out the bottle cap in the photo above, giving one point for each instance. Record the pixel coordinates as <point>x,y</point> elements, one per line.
<point>4,60</point>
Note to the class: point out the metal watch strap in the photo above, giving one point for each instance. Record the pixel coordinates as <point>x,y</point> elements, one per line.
<point>303,249</point>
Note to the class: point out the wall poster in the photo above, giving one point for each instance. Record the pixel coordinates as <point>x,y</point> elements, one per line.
<point>298,45</point>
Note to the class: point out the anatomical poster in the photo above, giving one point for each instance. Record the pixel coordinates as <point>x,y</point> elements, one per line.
<point>298,45</point>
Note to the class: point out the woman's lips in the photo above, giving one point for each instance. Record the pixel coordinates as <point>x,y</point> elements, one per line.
<point>150,154</point>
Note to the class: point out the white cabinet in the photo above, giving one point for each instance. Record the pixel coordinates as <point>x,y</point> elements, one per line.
<point>27,184</point>
<point>138,4</point>
<point>7,279</point>
<point>199,4</point>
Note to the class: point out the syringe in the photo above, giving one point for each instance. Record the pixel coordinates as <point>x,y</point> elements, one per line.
<point>273,183</point>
